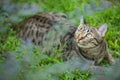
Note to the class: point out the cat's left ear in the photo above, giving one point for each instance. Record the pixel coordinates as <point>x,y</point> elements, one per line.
<point>102,30</point>
<point>82,20</point>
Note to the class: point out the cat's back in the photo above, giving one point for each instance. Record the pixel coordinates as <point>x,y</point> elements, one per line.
<point>44,18</point>
<point>36,26</point>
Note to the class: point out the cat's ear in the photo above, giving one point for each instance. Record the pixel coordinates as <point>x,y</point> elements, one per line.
<point>82,21</point>
<point>102,30</point>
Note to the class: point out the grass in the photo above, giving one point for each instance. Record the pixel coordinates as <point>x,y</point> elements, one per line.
<point>76,75</point>
<point>30,61</point>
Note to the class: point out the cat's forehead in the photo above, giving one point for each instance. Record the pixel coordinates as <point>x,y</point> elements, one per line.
<point>86,27</point>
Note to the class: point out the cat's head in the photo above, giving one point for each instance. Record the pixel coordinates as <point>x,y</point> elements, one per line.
<point>87,36</point>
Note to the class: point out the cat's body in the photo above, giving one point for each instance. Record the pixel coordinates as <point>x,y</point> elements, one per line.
<point>37,26</point>
<point>85,43</point>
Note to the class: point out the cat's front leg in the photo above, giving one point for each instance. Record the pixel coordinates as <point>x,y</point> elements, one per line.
<point>109,57</point>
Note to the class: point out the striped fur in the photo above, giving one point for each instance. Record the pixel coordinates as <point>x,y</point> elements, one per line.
<point>35,27</point>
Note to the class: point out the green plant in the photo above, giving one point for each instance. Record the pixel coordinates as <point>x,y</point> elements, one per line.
<point>76,75</point>
<point>11,43</point>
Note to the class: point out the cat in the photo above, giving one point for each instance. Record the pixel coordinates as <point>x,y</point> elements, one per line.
<point>88,42</point>
<point>83,44</point>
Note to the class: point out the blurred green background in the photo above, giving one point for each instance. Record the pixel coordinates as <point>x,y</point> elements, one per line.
<point>26,61</point>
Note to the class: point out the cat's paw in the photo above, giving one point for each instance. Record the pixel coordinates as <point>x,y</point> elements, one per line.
<point>112,61</point>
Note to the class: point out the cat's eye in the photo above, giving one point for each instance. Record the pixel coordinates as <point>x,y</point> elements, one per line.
<point>89,35</point>
<point>64,16</point>
<point>88,30</point>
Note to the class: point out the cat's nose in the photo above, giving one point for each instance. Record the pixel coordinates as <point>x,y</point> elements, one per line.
<point>79,37</point>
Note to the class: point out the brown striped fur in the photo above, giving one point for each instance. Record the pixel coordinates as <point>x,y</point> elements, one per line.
<point>85,42</point>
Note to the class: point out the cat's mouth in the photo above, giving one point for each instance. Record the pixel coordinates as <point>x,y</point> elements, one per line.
<point>84,44</point>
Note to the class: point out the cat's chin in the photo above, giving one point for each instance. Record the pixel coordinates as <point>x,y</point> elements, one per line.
<point>85,46</point>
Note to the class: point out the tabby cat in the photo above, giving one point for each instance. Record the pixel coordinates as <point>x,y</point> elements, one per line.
<point>84,42</point>
<point>88,42</point>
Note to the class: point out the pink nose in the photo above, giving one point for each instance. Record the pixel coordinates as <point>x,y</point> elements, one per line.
<point>79,37</point>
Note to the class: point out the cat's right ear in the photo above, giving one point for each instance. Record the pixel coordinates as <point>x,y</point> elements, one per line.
<point>102,30</point>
